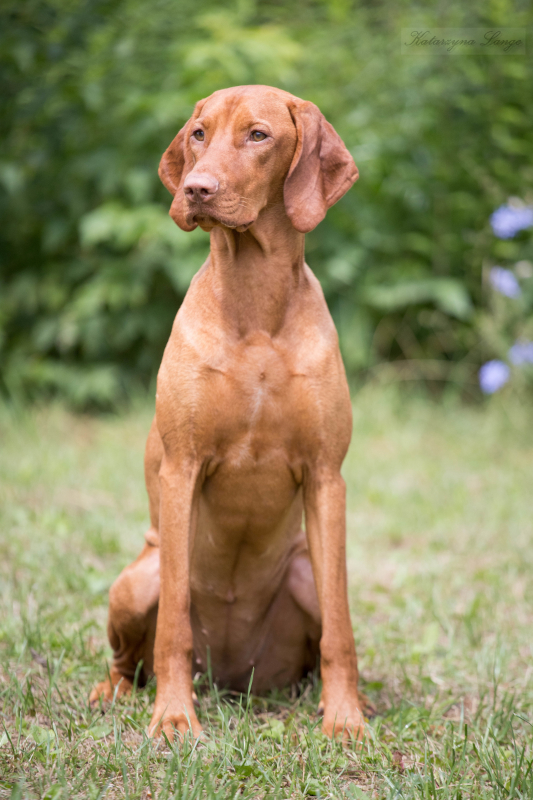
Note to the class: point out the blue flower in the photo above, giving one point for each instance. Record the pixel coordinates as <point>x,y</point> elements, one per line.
<point>521,353</point>
<point>506,221</point>
<point>493,375</point>
<point>504,281</point>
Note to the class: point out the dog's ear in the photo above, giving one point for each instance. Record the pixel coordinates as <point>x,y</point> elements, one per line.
<point>322,169</point>
<point>174,166</point>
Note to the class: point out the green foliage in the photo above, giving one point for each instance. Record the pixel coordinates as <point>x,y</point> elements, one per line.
<point>93,270</point>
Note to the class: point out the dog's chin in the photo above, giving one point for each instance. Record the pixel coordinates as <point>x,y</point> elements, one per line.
<point>207,223</point>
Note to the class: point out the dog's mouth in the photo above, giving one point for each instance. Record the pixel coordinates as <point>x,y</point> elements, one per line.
<point>208,222</point>
<point>198,216</point>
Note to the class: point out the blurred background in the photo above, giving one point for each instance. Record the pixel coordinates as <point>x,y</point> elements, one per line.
<point>423,282</point>
<point>427,267</point>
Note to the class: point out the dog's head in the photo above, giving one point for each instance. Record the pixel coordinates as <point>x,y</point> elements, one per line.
<point>250,147</point>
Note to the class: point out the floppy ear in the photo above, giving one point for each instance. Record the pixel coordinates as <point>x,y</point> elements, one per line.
<point>322,169</point>
<point>174,166</point>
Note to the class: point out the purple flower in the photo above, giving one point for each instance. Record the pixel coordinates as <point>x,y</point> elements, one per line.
<point>506,221</point>
<point>521,353</point>
<point>504,281</point>
<point>493,375</point>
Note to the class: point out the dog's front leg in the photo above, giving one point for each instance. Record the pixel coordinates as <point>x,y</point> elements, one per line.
<point>179,493</point>
<point>325,515</point>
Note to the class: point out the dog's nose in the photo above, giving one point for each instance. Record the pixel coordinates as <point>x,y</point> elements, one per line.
<point>200,187</point>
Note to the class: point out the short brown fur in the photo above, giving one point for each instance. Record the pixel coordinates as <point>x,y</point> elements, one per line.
<point>253,421</point>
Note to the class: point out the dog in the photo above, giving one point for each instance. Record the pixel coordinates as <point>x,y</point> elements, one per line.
<point>252,424</point>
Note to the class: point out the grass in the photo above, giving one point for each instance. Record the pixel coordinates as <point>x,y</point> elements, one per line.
<point>440,558</point>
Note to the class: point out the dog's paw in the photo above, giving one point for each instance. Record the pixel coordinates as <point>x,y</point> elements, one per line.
<point>345,722</point>
<point>105,691</point>
<point>169,722</point>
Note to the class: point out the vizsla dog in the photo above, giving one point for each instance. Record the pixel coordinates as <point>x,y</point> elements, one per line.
<point>252,423</point>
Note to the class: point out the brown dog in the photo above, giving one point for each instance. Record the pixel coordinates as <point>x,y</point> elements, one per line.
<point>253,421</point>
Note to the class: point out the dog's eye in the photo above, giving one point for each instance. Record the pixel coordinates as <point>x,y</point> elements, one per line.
<point>199,135</point>
<point>257,136</point>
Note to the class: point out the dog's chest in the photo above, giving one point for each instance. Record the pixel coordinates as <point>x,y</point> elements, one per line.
<point>255,402</point>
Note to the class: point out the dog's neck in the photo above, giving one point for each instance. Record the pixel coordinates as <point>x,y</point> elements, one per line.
<point>256,274</point>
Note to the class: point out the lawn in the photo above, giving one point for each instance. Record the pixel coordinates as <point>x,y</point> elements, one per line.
<point>440,560</point>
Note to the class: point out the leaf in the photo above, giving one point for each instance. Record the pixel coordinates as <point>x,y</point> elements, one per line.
<point>53,792</point>
<point>447,294</point>
<point>356,793</point>
<point>314,788</point>
<point>274,730</point>
<point>40,735</point>
<point>374,686</point>
<point>248,768</point>
<point>98,732</point>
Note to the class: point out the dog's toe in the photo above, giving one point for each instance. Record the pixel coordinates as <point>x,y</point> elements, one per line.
<point>106,691</point>
<point>369,709</point>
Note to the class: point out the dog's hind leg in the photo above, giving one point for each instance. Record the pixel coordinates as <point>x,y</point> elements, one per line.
<point>134,597</point>
<point>133,601</point>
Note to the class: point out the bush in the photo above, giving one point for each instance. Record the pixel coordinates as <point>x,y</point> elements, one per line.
<point>93,270</point>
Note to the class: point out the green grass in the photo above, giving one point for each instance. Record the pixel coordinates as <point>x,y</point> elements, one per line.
<point>440,558</point>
